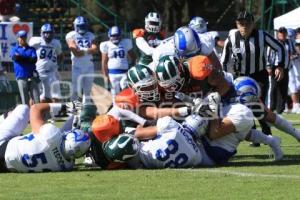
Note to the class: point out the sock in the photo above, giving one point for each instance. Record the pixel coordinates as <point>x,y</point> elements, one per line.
<point>257,136</point>
<point>286,127</point>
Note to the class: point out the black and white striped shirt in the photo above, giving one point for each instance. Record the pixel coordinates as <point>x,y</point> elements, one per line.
<point>248,56</point>
<point>272,55</point>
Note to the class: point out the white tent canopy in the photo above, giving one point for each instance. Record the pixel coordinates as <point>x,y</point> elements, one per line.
<point>288,20</point>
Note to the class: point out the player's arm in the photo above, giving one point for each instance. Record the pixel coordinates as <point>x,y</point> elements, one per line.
<point>219,128</point>
<point>131,57</point>
<point>215,60</point>
<point>37,113</point>
<point>93,48</point>
<point>145,133</point>
<point>155,113</point>
<point>104,61</point>
<point>74,49</point>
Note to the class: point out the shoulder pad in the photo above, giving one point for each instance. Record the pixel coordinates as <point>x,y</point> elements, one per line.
<point>138,33</point>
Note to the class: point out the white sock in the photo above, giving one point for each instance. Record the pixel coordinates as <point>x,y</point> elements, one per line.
<point>286,127</point>
<point>257,136</point>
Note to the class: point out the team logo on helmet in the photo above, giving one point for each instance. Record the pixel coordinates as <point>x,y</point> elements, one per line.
<point>80,25</point>
<point>248,90</point>
<point>47,32</point>
<point>144,83</point>
<point>152,22</point>
<point>169,73</point>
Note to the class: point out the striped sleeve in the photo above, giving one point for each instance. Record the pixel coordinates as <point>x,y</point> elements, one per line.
<point>279,48</point>
<point>226,54</point>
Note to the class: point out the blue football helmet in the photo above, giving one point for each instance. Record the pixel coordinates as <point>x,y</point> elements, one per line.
<point>198,24</point>
<point>75,143</point>
<point>114,34</point>
<point>187,42</point>
<point>291,33</point>
<point>248,90</point>
<point>80,25</point>
<point>47,32</point>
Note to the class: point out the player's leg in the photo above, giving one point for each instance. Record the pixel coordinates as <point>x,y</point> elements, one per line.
<point>15,123</point>
<point>76,71</point>
<point>115,84</point>
<point>282,124</point>
<point>86,84</point>
<point>34,91</point>
<point>23,89</point>
<point>55,87</point>
<point>256,136</point>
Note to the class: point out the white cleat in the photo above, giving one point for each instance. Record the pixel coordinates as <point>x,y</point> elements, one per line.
<point>275,146</point>
<point>89,162</point>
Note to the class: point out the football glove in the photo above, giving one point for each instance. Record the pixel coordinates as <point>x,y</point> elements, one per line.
<point>207,107</point>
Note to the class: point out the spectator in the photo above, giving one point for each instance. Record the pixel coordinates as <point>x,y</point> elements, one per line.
<point>24,58</point>
<point>8,11</point>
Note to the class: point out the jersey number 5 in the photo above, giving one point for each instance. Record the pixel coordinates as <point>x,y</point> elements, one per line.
<point>33,161</point>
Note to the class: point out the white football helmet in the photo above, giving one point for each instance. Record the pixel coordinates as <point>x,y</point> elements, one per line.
<point>114,34</point>
<point>198,24</point>
<point>195,125</point>
<point>248,90</point>
<point>80,25</point>
<point>152,22</point>
<point>75,143</point>
<point>187,42</point>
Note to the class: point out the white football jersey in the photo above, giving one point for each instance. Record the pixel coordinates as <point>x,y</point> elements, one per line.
<point>46,53</point>
<point>37,152</point>
<point>167,47</point>
<point>242,118</point>
<point>82,41</point>
<point>117,54</point>
<point>173,147</point>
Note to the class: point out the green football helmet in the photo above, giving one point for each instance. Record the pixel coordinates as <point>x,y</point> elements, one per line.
<point>121,148</point>
<point>144,83</point>
<point>169,73</point>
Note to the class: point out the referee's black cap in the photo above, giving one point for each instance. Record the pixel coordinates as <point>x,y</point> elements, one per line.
<point>245,15</point>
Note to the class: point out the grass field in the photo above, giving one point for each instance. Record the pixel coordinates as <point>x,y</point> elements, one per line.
<point>250,175</point>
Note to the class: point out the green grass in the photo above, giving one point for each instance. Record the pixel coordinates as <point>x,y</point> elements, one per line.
<point>250,175</point>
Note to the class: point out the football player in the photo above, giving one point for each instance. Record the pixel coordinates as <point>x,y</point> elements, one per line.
<point>149,38</point>
<point>248,92</point>
<point>185,43</point>
<point>200,26</point>
<point>114,62</point>
<point>198,75</point>
<point>153,102</point>
<point>47,147</point>
<point>169,144</point>
<point>82,45</point>
<point>50,56</point>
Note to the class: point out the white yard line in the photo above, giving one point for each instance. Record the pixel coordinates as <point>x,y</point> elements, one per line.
<point>242,174</point>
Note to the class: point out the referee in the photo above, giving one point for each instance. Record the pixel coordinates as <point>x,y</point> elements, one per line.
<point>244,54</point>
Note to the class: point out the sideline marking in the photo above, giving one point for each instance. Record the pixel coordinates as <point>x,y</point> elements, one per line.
<point>242,174</point>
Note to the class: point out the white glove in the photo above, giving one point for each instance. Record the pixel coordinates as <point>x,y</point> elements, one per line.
<point>207,107</point>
